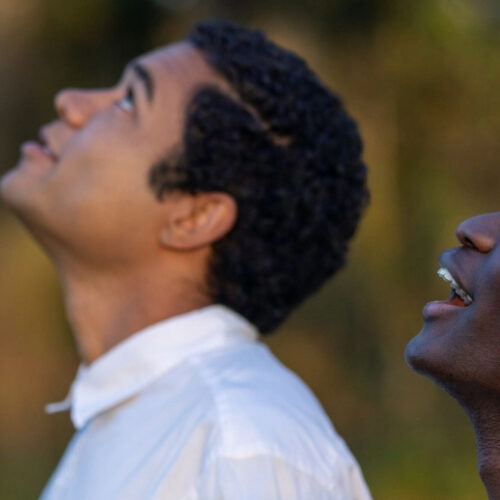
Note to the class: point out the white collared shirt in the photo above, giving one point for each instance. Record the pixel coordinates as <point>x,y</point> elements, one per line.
<point>195,408</point>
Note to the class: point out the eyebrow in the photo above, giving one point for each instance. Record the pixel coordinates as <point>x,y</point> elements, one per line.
<point>145,76</point>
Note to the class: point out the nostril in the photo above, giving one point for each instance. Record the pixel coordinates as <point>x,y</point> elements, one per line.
<point>477,233</point>
<point>469,243</point>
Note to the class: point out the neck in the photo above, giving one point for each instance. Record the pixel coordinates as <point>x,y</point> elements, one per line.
<point>486,422</point>
<point>104,309</point>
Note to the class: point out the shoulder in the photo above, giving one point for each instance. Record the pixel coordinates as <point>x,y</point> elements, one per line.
<point>263,408</point>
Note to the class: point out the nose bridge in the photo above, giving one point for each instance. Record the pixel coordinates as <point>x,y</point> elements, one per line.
<point>77,106</point>
<point>481,232</point>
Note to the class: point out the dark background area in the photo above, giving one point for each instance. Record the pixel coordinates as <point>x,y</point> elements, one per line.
<point>422,78</point>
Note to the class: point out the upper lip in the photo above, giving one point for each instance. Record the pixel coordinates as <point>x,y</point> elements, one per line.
<point>458,285</point>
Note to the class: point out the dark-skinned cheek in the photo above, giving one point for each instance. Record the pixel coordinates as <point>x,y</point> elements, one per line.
<point>482,342</point>
<point>491,270</point>
<point>482,318</point>
<point>486,288</point>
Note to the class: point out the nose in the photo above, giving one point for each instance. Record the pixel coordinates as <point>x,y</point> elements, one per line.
<point>481,232</point>
<point>76,107</point>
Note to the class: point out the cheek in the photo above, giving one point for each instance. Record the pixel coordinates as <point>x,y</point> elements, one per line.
<point>107,219</point>
<point>97,145</point>
<point>487,294</point>
<point>102,180</point>
<point>104,156</point>
<point>491,274</point>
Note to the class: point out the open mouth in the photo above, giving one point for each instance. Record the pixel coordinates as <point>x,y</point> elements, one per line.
<point>46,148</point>
<point>459,296</point>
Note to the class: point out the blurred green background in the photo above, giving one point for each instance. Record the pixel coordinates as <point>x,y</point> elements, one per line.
<point>423,80</point>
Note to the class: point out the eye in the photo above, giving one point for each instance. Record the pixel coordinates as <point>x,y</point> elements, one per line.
<point>127,103</point>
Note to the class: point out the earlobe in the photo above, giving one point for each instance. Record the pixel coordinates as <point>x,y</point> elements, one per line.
<point>195,221</point>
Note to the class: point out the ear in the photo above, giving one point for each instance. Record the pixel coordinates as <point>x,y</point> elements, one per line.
<point>194,221</point>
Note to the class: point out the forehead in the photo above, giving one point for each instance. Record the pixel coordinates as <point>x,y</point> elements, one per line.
<point>180,67</point>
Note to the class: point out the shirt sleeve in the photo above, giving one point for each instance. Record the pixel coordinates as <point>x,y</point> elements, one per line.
<point>268,477</point>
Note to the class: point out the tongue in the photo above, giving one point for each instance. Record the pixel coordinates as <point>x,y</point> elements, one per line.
<point>456,300</point>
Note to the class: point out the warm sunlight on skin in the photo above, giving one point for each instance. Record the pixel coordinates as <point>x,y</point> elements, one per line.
<point>83,192</point>
<point>188,210</point>
<point>459,347</point>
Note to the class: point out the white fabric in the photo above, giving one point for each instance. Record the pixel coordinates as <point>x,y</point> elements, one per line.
<point>195,408</point>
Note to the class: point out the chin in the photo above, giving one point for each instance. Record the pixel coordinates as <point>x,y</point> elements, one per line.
<point>415,354</point>
<point>20,200</point>
<point>21,189</point>
<point>439,358</point>
<point>427,353</point>
<point>15,194</point>
<point>422,360</point>
<point>12,193</point>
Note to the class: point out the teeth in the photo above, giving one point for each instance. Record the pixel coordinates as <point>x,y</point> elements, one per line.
<point>444,274</point>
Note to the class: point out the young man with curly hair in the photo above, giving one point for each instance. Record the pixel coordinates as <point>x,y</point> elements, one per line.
<point>186,209</point>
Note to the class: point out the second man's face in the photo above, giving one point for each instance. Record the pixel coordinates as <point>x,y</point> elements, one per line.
<point>459,344</point>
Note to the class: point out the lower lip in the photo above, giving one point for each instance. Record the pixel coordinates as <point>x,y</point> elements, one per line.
<point>32,148</point>
<point>439,308</point>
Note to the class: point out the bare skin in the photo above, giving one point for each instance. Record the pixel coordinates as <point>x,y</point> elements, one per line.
<point>125,259</point>
<point>459,348</point>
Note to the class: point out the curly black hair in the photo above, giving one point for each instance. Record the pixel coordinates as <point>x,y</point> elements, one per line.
<point>290,156</point>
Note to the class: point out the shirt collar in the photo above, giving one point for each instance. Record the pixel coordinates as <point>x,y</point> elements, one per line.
<point>140,359</point>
